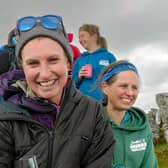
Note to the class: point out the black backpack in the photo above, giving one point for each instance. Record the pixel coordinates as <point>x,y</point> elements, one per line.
<point>7,59</point>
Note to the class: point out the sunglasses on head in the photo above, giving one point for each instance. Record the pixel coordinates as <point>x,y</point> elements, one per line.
<point>51,22</point>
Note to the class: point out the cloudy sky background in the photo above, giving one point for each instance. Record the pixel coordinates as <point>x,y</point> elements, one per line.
<point>135,29</point>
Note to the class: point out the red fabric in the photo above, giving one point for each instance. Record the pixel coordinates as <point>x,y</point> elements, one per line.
<point>76,51</point>
<point>70,37</point>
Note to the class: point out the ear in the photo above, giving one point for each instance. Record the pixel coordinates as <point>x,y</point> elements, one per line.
<point>104,87</point>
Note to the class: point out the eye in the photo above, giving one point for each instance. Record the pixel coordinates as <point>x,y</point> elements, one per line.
<point>53,59</point>
<point>135,87</point>
<point>124,86</point>
<point>32,63</point>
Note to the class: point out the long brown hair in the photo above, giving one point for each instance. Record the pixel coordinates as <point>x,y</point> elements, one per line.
<point>94,29</point>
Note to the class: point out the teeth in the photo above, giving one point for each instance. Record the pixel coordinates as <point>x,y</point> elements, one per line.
<point>48,83</point>
<point>126,100</point>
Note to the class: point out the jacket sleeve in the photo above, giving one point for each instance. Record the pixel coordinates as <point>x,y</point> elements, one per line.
<point>100,152</point>
<point>150,157</point>
<point>6,145</point>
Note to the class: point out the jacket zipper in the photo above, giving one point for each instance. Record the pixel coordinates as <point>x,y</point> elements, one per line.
<point>124,142</point>
<point>50,151</point>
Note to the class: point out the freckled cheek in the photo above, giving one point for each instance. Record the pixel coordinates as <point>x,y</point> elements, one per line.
<point>135,96</point>
<point>136,93</point>
<point>30,75</point>
<point>65,73</point>
<point>63,69</point>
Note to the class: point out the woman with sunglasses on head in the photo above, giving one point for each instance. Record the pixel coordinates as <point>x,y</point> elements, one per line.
<point>134,146</point>
<point>88,66</point>
<point>43,116</point>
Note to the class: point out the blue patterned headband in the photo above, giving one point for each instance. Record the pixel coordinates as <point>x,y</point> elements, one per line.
<point>117,69</point>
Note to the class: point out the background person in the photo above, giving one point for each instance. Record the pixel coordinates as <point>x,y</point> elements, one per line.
<point>95,57</point>
<point>134,146</point>
<point>7,54</point>
<point>41,114</point>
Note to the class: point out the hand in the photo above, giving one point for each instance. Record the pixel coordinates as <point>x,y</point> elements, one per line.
<point>82,72</point>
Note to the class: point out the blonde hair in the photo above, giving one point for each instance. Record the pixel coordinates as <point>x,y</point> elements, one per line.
<point>94,29</point>
<point>103,42</point>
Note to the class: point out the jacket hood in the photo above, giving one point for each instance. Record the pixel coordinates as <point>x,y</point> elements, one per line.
<point>100,50</point>
<point>137,121</point>
<point>16,100</point>
<point>17,95</point>
<point>6,81</point>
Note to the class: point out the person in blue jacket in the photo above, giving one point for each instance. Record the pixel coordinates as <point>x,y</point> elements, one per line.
<point>88,66</point>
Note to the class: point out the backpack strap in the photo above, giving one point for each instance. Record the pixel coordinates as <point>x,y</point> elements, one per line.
<point>12,59</point>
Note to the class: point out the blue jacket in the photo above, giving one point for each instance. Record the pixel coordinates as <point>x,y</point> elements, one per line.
<point>98,59</point>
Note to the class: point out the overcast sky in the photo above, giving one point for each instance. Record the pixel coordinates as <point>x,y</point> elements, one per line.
<point>135,30</point>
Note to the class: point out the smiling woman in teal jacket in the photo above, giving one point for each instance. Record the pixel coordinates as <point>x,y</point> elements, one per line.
<point>134,145</point>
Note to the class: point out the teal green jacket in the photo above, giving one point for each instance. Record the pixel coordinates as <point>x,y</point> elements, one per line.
<point>134,146</point>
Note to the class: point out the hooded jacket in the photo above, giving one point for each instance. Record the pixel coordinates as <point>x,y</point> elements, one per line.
<point>81,136</point>
<point>98,60</point>
<point>134,145</point>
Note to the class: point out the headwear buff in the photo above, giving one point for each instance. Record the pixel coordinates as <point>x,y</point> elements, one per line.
<point>125,66</point>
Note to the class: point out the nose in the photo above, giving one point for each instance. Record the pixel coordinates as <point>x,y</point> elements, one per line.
<point>130,91</point>
<point>44,71</point>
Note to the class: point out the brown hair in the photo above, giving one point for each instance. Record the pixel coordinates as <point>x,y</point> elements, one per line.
<point>103,42</point>
<point>94,29</point>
